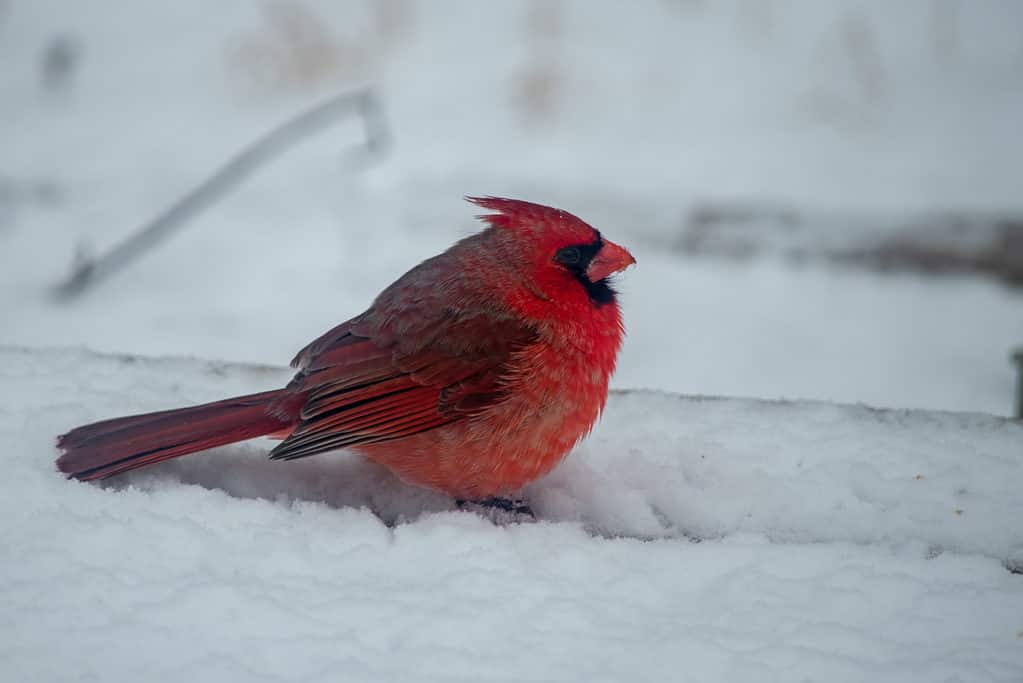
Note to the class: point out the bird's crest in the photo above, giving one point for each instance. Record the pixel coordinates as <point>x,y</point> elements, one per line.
<point>515,213</point>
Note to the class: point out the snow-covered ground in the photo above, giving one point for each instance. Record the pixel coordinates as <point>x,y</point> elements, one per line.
<point>688,539</point>
<point>837,543</point>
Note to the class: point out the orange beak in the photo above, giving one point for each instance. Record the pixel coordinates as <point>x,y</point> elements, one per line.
<point>609,260</point>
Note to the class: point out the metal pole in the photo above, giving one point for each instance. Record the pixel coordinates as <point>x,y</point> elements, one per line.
<point>363,103</point>
<point>1017,358</point>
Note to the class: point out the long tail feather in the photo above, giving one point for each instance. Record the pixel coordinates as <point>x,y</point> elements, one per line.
<point>102,449</point>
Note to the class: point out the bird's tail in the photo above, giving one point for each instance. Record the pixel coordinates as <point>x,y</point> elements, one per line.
<point>102,449</point>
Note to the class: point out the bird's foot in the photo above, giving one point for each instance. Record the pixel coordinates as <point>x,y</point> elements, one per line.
<point>499,510</point>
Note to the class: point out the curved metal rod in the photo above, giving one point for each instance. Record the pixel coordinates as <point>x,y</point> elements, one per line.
<point>86,271</point>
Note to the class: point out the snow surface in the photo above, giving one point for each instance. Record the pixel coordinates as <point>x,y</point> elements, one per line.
<point>689,538</point>
<point>836,543</point>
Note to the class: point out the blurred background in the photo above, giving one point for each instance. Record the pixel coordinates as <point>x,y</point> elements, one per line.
<point>824,196</point>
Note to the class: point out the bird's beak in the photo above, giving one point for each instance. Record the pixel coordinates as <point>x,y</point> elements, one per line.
<point>609,260</point>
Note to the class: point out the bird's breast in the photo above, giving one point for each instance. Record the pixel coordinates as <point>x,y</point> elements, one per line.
<point>554,396</point>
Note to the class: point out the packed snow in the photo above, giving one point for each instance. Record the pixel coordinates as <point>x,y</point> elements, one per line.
<point>785,537</point>
<point>689,537</point>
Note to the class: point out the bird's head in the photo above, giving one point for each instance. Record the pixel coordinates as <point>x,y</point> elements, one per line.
<point>565,259</point>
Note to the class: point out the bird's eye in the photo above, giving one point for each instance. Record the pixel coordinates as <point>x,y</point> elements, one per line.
<point>569,256</point>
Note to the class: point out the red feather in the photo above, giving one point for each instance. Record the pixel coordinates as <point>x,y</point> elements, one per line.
<point>474,373</point>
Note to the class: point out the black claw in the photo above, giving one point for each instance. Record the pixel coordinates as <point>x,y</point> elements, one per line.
<point>517,507</point>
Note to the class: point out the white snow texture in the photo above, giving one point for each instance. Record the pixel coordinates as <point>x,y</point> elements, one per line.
<point>687,539</point>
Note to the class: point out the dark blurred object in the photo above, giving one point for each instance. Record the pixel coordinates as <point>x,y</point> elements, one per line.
<point>1017,358</point>
<point>541,80</point>
<point>296,47</point>
<point>87,270</point>
<point>294,50</point>
<point>59,62</point>
<point>18,194</point>
<point>990,245</point>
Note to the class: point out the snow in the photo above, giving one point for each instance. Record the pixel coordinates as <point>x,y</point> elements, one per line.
<point>689,537</point>
<point>711,539</point>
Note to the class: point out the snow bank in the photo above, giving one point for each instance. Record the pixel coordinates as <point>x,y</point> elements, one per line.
<point>836,543</point>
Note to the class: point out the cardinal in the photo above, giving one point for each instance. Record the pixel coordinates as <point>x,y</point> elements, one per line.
<point>473,374</point>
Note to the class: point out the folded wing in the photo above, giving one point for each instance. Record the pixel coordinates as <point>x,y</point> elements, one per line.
<point>379,378</point>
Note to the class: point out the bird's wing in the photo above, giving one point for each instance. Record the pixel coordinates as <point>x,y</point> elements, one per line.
<point>377,377</point>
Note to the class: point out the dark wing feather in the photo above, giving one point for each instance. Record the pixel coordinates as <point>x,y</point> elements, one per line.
<point>378,377</point>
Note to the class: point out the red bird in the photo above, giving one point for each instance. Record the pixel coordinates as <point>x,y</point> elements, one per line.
<point>473,374</point>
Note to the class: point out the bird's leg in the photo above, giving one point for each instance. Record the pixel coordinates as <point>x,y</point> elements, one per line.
<point>499,509</point>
